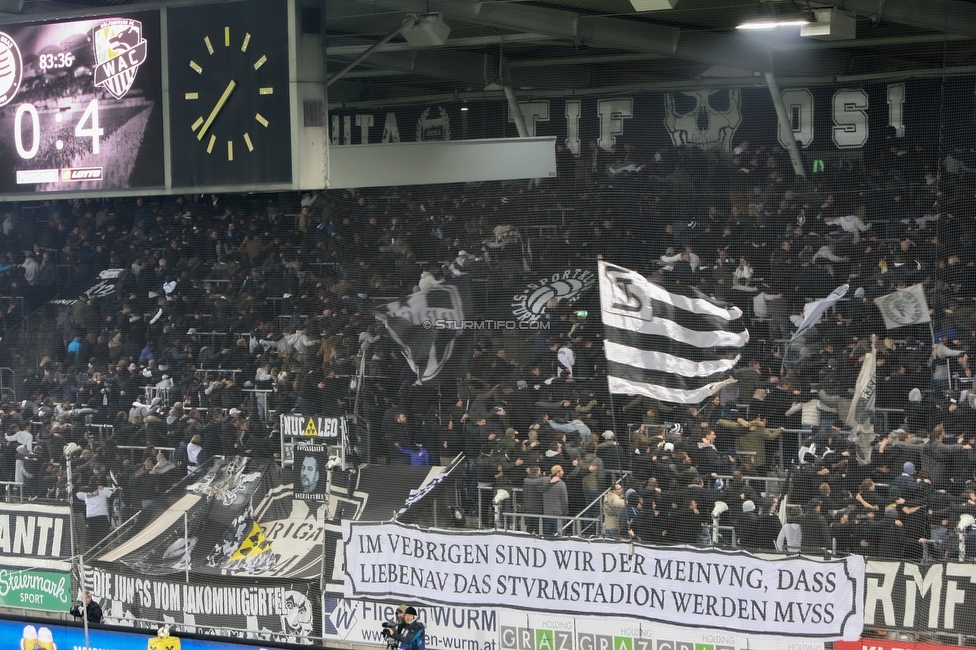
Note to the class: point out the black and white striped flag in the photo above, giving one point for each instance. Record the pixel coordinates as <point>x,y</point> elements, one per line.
<point>675,347</point>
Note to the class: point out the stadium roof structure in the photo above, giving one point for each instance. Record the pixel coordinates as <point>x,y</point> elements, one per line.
<point>541,48</point>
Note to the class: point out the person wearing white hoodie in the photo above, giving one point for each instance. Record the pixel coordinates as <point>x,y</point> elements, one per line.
<point>850,223</point>
<point>290,340</point>
<point>790,536</point>
<point>427,280</point>
<point>567,359</point>
<point>194,453</point>
<point>810,412</point>
<point>31,270</point>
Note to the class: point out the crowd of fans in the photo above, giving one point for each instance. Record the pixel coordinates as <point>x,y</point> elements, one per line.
<point>223,312</point>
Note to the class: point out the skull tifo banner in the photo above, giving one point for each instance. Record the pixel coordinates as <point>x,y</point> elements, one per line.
<point>241,519</point>
<point>735,592</point>
<point>825,119</point>
<point>453,627</point>
<point>272,611</point>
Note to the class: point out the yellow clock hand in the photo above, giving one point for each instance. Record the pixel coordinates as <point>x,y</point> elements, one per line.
<point>216,109</point>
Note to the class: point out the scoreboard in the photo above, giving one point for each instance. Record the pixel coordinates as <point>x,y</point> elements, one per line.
<point>184,98</point>
<point>81,105</point>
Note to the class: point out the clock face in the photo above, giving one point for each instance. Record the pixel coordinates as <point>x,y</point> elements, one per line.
<point>229,106</point>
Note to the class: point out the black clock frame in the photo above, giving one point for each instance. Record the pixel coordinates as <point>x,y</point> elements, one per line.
<point>264,156</point>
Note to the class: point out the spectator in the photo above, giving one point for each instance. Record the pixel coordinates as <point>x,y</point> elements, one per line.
<point>96,508</point>
<point>790,537</point>
<point>614,508</point>
<point>555,502</point>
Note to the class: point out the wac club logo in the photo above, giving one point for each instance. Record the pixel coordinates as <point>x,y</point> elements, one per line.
<point>119,51</point>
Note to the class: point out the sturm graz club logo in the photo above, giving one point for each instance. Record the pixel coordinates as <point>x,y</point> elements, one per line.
<point>565,286</point>
<point>902,308</point>
<point>119,51</point>
<point>11,69</point>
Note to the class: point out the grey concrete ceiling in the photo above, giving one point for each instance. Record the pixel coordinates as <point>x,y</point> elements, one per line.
<point>549,46</point>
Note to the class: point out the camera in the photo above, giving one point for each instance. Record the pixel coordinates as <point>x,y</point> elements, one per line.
<point>389,627</point>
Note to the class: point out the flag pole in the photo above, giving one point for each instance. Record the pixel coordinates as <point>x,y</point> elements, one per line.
<point>948,365</point>
<point>613,417</point>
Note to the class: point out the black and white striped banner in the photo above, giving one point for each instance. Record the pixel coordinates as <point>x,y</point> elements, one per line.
<point>666,345</point>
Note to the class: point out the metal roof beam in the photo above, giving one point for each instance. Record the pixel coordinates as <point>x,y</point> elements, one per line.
<point>353,50</point>
<point>949,16</point>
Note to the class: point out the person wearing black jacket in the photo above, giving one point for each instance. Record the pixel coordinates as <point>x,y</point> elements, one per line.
<point>685,524</point>
<point>91,611</point>
<point>813,526</point>
<point>411,635</point>
<point>768,527</point>
<point>892,536</point>
<point>747,526</point>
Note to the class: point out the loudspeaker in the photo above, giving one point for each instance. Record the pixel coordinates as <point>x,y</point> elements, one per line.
<point>428,30</point>
<point>832,25</point>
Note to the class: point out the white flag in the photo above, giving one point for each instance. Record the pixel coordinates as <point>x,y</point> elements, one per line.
<point>905,307</point>
<point>814,310</point>
<point>862,407</point>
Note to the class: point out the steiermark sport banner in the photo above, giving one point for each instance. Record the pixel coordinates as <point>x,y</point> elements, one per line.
<point>31,589</point>
<point>794,596</point>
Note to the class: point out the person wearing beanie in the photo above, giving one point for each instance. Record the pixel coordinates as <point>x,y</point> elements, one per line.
<point>409,636</point>
<point>907,484</point>
<point>746,526</point>
<point>396,624</point>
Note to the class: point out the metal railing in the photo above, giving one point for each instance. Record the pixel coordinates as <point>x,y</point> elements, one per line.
<point>772,485</point>
<point>8,381</point>
<point>563,526</point>
<point>12,491</point>
<point>151,393</point>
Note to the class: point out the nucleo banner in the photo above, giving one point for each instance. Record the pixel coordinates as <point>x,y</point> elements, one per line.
<point>791,597</point>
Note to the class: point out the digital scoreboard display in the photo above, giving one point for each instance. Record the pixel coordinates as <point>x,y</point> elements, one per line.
<point>81,105</point>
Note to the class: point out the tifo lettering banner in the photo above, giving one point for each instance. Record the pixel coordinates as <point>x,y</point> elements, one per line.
<point>737,592</point>
<point>824,118</point>
<point>934,598</point>
<point>272,611</point>
<point>30,530</point>
<point>486,628</point>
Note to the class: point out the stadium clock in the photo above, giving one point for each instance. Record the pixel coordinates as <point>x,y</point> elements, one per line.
<point>229,104</point>
<point>80,105</point>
